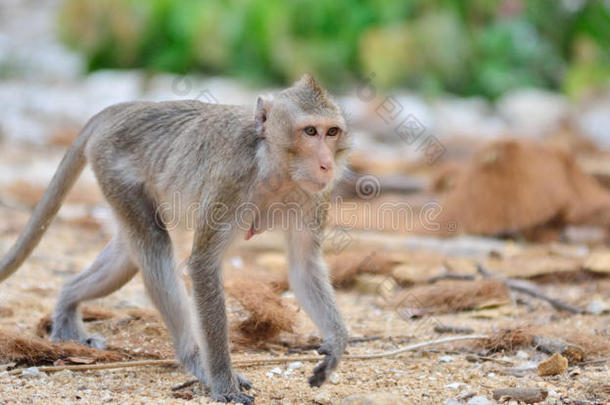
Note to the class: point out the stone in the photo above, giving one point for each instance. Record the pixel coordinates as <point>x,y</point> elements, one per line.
<point>32,372</point>
<point>294,365</point>
<point>526,395</point>
<point>598,307</point>
<point>479,400</point>
<point>323,398</point>
<point>556,364</point>
<point>373,398</point>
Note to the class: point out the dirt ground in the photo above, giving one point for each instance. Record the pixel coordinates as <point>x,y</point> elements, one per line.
<point>432,375</point>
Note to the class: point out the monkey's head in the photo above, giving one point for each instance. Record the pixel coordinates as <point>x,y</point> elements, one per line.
<point>306,130</point>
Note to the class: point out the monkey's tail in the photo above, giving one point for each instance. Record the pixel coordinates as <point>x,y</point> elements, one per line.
<point>64,178</point>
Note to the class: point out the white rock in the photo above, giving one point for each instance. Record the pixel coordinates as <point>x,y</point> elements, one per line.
<point>32,372</point>
<point>479,400</point>
<point>446,359</point>
<point>453,402</point>
<point>522,355</point>
<point>294,365</point>
<point>323,398</point>
<point>455,385</point>
<point>597,307</point>
<point>274,371</point>
<point>334,378</point>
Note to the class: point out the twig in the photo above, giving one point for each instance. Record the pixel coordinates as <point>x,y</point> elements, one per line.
<point>185,384</point>
<point>598,361</point>
<point>254,362</point>
<point>314,346</point>
<point>516,285</point>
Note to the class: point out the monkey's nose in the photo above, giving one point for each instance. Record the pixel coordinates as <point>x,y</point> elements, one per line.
<point>324,167</point>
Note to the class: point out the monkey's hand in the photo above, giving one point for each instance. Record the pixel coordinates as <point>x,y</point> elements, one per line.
<point>332,349</point>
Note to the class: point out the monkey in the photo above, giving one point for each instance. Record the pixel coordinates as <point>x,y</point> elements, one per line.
<point>222,158</point>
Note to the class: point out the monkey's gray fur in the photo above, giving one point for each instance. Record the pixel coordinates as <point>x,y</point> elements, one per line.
<point>218,156</point>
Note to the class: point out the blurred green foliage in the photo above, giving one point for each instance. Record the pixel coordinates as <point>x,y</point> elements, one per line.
<point>476,47</point>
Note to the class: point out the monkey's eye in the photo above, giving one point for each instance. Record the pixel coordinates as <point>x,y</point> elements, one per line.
<point>334,131</point>
<point>311,131</point>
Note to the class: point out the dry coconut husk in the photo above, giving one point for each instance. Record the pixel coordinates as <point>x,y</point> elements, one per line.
<point>346,266</point>
<point>32,350</point>
<point>452,296</point>
<point>511,186</point>
<point>268,314</point>
<point>593,346</point>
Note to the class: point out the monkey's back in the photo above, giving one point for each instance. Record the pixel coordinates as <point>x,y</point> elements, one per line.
<point>175,147</point>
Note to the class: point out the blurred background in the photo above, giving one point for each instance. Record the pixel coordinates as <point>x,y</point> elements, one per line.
<point>481,138</point>
<point>425,84</point>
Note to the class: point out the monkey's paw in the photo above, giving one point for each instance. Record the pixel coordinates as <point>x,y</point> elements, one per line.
<point>323,370</point>
<point>95,341</point>
<point>237,397</point>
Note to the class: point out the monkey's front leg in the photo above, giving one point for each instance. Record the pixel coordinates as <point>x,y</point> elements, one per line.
<point>205,271</point>
<point>310,282</point>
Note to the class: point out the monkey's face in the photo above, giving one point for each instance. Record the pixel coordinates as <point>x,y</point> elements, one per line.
<point>316,142</point>
<point>306,132</point>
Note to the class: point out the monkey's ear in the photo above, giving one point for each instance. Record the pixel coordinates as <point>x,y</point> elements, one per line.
<point>263,105</point>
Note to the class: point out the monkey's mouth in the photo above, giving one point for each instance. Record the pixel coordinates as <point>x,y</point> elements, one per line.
<point>314,186</point>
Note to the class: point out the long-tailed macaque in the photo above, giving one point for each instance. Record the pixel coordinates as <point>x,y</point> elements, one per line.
<point>223,158</point>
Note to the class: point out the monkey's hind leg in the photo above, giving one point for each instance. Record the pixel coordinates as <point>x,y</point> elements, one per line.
<point>152,249</point>
<point>109,272</point>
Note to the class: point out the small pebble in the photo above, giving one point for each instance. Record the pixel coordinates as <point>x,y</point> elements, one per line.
<point>446,359</point>
<point>597,307</point>
<point>277,371</point>
<point>322,398</point>
<point>32,372</point>
<point>294,365</point>
<point>479,400</point>
<point>522,355</point>
<point>455,385</point>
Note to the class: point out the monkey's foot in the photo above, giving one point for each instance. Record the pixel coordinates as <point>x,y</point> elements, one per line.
<point>237,397</point>
<point>323,370</point>
<point>94,341</point>
<point>230,391</point>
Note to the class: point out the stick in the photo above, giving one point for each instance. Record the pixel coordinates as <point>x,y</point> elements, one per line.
<point>518,286</point>
<point>253,362</point>
<point>315,346</point>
